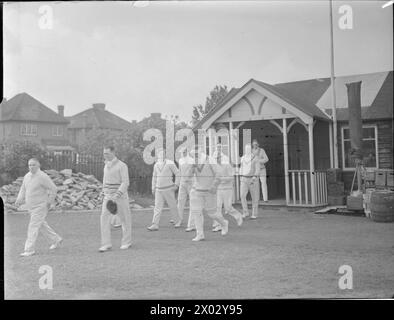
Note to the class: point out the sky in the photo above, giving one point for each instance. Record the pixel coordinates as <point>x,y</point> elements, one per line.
<point>167,56</point>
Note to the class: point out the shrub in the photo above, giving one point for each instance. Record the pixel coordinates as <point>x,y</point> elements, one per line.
<point>14,156</point>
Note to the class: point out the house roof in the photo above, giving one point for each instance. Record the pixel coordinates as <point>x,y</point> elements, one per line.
<point>313,96</point>
<point>281,91</point>
<point>381,107</point>
<point>371,83</point>
<point>99,118</point>
<point>23,107</point>
<point>299,101</point>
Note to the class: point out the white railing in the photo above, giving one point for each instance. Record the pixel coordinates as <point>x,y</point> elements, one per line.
<point>305,191</point>
<point>300,191</point>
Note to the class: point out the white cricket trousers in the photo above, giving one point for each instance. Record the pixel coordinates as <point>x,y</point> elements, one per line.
<point>225,198</point>
<point>37,224</point>
<point>162,197</point>
<point>263,180</point>
<point>204,201</point>
<point>254,188</point>
<point>183,193</point>
<point>124,215</point>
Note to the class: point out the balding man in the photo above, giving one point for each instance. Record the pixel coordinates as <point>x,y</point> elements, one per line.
<point>39,192</point>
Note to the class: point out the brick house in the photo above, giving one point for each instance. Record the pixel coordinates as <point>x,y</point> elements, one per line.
<point>25,118</point>
<point>96,117</point>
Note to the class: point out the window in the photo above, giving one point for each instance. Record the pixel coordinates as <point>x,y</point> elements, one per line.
<point>28,129</point>
<point>57,131</point>
<point>369,146</point>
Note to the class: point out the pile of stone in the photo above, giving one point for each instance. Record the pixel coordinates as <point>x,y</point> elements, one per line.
<point>75,191</point>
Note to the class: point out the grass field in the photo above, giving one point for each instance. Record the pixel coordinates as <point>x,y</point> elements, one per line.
<point>280,255</point>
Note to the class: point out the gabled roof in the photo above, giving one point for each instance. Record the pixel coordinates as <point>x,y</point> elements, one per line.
<point>98,118</point>
<point>313,96</point>
<point>298,101</point>
<point>280,91</point>
<point>222,102</point>
<point>23,107</point>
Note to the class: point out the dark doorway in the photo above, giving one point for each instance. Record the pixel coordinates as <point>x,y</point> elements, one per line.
<point>271,140</point>
<point>298,145</point>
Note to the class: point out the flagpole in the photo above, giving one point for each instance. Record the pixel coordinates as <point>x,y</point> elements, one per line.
<point>334,108</point>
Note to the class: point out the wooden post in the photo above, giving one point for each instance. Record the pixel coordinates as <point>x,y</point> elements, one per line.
<point>210,141</point>
<point>286,160</point>
<point>331,145</point>
<point>230,142</point>
<point>312,163</point>
<point>236,158</point>
<point>231,155</point>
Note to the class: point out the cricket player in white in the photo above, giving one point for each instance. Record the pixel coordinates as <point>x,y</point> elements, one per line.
<point>225,189</point>
<point>163,187</point>
<point>203,195</point>
<point>39,192</point>
<point>115,186</point>
<point>185,185</point>
<point>263,159</point>
<point>250,170</point>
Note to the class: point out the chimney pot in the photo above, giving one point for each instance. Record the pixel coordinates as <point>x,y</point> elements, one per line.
<point>99,106</point>
<point>60,110</point>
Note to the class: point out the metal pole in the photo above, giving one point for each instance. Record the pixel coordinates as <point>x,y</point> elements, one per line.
<point>334,108</point>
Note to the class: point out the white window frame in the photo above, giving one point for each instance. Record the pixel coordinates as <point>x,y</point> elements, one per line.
<point>376,146</point>
<point>57,131</point>
<point>28,129</point>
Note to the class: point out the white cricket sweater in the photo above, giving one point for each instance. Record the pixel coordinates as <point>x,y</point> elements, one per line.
<point>37,188</point>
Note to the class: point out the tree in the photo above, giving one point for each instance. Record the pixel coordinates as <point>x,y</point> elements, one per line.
<point>215,96</point>
<point>14,156</point>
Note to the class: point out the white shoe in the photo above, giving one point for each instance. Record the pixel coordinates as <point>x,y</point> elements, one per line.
<point>56,244</point>
<point>240,220</point>
<point>198,238</point>
<point>178,224</point>
<point>105,248</point>
<point>153,228</point>
<point>190,229</point>
<point>217,228</point>
<point>172,221</point>
<point>125,246</point>
<point>225,228</point>
<point>116,226</point>
<point>27,253</point>
<point>244,215</point>
<point>253,217</point>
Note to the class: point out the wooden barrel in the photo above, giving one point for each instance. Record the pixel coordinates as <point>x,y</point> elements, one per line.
<point>382,206</point>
